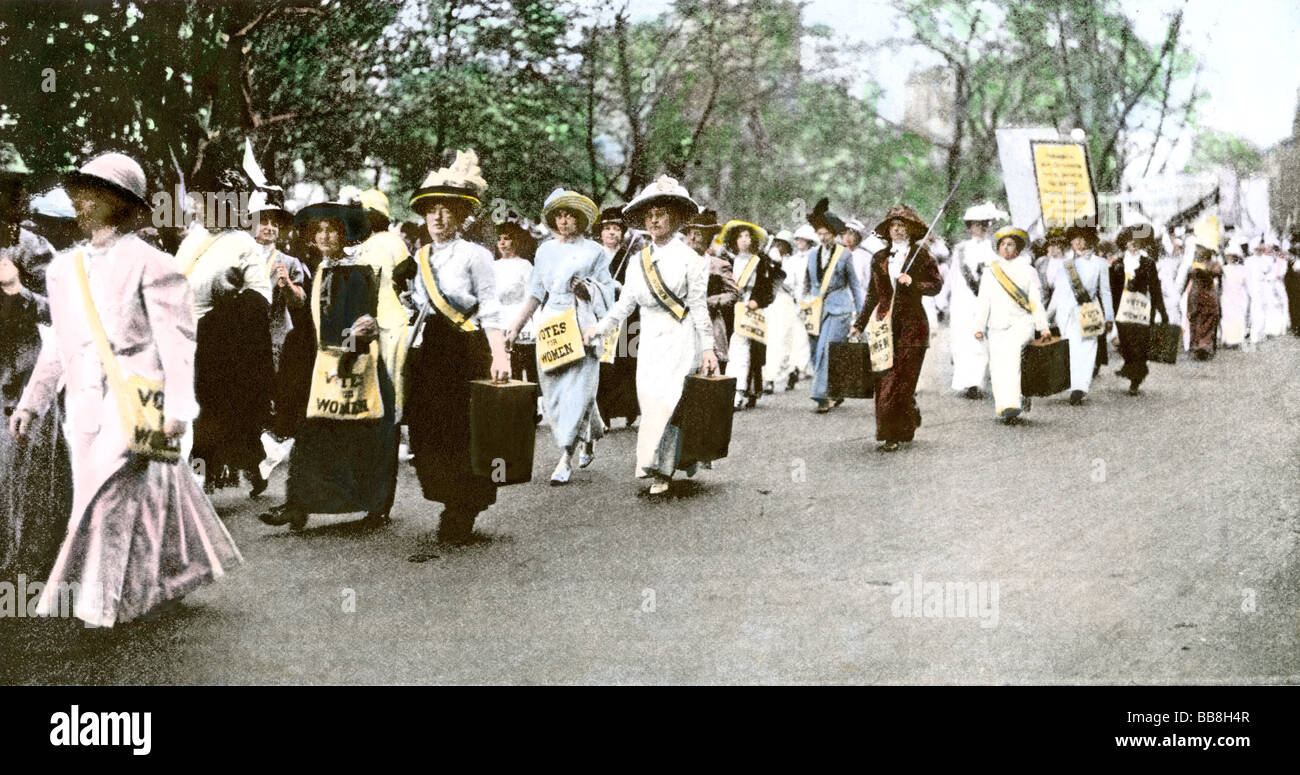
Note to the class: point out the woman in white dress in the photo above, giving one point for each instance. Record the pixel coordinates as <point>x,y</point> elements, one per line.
<point>1010,312</point>
<point>1082,278</point>
<point>787,339</point>
<point>571,274</point>
<point>1235,300</point>
<point>970,356</point>
<point>668,285</point>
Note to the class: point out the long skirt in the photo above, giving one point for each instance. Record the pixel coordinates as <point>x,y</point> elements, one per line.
<point>569,398</point>
<point>970,356</point>
<point>616,396</point>
<point>1292,284</point>
<point>341,466</point>
<point>293,378</point>
<point>1083,357</point>
<point>835,328</point>
<point>35,498</point>
<point>523,361</point>
<point>233,382</point>
<point>787,340</point>
<point>746,365</point>
<point>897,414</point>
<point>1134,342</point>
<point>1203,319</point>
<point>1006,346</point>
<point>439,373</point>
<point>669,351</point>
<point>140,536</point>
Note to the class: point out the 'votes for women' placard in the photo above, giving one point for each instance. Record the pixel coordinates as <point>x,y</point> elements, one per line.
<point>1064,184</point>
<point>559,342</point>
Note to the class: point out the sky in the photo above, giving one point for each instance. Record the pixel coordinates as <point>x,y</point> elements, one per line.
<point>1247,48</point>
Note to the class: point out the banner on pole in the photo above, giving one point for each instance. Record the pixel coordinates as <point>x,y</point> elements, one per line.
<point>1065,193</point>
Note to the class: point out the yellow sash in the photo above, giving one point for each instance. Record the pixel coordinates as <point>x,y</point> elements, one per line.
<point>270,262</point>
<point>666,298</point>
<point>811,311</point>
<point>140,401</point>
<point>463,320</point>
<point>830,272</point>
<point>212,238</point>
<point>746,272</point>
<point>1014,291</point>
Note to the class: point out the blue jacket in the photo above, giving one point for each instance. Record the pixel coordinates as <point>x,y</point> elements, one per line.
<point>844,295</point>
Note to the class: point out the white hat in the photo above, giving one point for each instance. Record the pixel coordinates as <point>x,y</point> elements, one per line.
<point>117,172</point>
<point>873,244</point>
<point>805,231</point>
<point>858,226</point>
<point>785,236</point>
<point>984,212</point>
<point>665,190</point>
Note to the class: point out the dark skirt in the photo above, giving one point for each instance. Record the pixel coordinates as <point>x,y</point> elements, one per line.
<point>35,498</point>
<point>233,379</point>
<point>523,362</point>
<point>439,373</point>
<point>1134,342</point>
<point>616,396</point>
<point>293,378</point>
<point>341,466</point>
<point>1203,318</point>
<point>1292,285</point>
<point>897,415</point>
<point>753,381</point>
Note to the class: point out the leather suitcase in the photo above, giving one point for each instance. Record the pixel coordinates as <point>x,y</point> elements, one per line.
<point>502,433</point>
<point>1045,368</point>
<point>1165,343</point>
<point>704,417</point>
<point>849,371</point>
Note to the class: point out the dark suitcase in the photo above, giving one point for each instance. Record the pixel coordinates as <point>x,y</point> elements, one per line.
<point>502,432</point>
<point>1045,367</point>
<point>1165,343</point>
<point>849,370</point>
<point>704,417</point>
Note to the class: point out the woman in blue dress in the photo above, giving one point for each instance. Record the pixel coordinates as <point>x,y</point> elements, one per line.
<point>571,272</point>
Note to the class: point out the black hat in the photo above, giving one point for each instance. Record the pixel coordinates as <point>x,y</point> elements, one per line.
<point>610,215</point>
<point>1142,235</point>
<point>822,216</point>
<point>354,217</point>
<point>706,221</point>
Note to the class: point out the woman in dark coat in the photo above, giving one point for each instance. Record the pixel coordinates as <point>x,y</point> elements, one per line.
<point>1203,304</point>
<point>1135,272</point>
<point>901,274</point>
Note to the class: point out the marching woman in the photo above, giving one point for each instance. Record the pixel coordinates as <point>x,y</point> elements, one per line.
<point>835,298</point>
<point>756,276</point>
<point>1236,296</point>
<point>787,339</point>
<point>1081,282</point>
<point>1135,281</point>
<point>571,278</point>
<point>459,337</point>
<point>345,456</point>
<point>901,275</point>
<point>970,356</point>
<point>721,296</point>
<point>1010,308</point>
<point>668,286</point>
<point>141,532</point>
<point>513,272</point>
<point>1203,303</point>
<point>616,396</point>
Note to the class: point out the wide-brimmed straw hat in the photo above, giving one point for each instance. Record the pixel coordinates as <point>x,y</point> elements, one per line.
<point>916,227</point>
<point>578,204</point>
<point>461,181</point>
<point>663,192</point>
<point>1019,235</point>
<point>732,229</point>
<point>115,172</point>
<point>350,213</point>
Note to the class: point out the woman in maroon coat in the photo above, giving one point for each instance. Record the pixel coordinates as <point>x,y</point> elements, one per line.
<point>1203,303</point>
<point>901,274</point>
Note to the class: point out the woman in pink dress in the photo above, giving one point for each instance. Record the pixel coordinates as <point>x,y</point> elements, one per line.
<point>141,532</point>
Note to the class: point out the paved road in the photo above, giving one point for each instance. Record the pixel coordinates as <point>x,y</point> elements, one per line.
<point>1132,540</point>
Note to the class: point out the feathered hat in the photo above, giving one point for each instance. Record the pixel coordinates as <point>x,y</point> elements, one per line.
<point>664,192</point>
<point>460,181</point>
<point>916,227</point>
<point>821,216</point>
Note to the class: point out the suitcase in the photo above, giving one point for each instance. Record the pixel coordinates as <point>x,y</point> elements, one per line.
<point>849,370</point>
<point>502,432</point>
<point>1045,367</point>
<point>1165,343</point>
<point>704,417</point>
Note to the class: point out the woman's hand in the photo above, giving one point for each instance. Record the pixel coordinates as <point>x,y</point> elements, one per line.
<point>579,289</point>
<point>854,332</point>
<point>591,334</point>
<point>174,429</point>
<point>904,279</point>
<point>500,369</point>
<point>752,304</point>
<point>21,423</point>
<point>979,335</point>
<point>709,363</point>
<point>512,333</point>
<point>1044,336</point>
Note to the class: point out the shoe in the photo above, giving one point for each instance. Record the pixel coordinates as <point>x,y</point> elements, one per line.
<point>259,483</point>
<point>659,487</point>
<point>586,453</point>
<point>1076,397</point>
<point>739,403</point>
<point>283,515</point>
<point>562,473</point>
<point>1010,416</point>
<point>751,402</point>
<point>972,393</point>
<point>1133,389</point>
<point>823,407</point>
<point>888,446</point>
<point>792,381</point>
<point>768,388</point>
<point>837,402</point>
<point>456,527</point>
<point>374,520</point>
<point>404,453</point>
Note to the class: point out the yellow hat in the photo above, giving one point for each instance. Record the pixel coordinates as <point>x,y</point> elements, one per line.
<point>1019,235</point>
<point>374,199</point>
<point>560,199</point>
<point>758,232</point>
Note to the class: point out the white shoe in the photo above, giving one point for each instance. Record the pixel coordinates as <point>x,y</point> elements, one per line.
<point>659,487</point>
<point>562,472</point>
<point>586,453</point>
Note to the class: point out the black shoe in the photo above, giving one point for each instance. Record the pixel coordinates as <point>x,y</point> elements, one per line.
<point>1133,389</point>
<point>284,515</point>
<point>792,381</point>
<point>888,446</point>
<point>751,402</point>
<point>823,407</point>
<point>375,520</point>
<point>972,392</point>
<point>837,402</point>
<point>1076,397</point>
<point>456,527</point>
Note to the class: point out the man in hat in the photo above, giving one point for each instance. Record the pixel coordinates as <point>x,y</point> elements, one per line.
<point>722,293</point>
<point>836,295</point>
<point>970,258</point>
<point>30,253</point>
